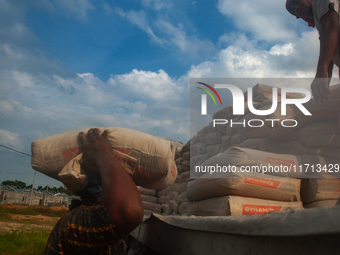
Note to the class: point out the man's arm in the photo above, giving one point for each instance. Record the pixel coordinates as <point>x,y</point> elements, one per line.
<point>119,193</point>
<point>328,44</point>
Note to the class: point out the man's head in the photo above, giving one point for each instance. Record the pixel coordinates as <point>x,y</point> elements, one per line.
<point>300,8</point>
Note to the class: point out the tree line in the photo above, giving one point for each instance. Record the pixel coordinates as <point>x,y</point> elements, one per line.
<point>22,185</point>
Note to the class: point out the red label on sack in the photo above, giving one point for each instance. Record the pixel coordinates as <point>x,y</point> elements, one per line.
<point>259,209</point>
<point>71,153</point>
<point>263,182</point>
<point>279,161</point>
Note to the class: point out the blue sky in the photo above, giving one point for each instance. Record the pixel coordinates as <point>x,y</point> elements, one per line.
<point>71,64</point>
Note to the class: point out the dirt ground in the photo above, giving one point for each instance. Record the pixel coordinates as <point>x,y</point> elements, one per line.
<point>28,222</point>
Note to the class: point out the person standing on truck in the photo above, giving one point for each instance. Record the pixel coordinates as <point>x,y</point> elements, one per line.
<point>324,15</point>
<point>92,227</point>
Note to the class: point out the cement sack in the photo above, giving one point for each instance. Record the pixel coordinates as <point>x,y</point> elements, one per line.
<point>179,160</point>
<point>186,147</point>
<point>181,169</point>
<point>213,138</point>
<point>199,138</point>
<point>179,187</point>
<point>198,159</point>
<point>197,148</point>
<point>325,133</point>
<point>144,191</point>
<point>148,159</point>
<point>296,148</point>
<point>174,205</point>
<point>164,200</point>
<point>212,150</point>
<point>151,199</point>
<point>209,128</point>
<point>183,208</point>
<point>184,176</point>
<point>186,165</point>
<point>227,111</point>
<point>249,185</point>
<point>319,189</point>
<point>254,144</point>
<point>174,194</point>
<point>322,203</point>
<point>182,197</point>
<point>236,139</point>
<point>265,97</point>
<point>164,192</point>
<point>225,141</point>
<point>152,206</point>
<point>167,209</point>
<point>284,165</point>
<point>275,124</point>
<point>186,155</point>
<point>234,205</point>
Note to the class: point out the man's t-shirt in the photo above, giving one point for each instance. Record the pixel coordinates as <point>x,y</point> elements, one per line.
<point>320,8</point>
<point>84,230</point>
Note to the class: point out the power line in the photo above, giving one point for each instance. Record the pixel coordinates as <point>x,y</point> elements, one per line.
<point>15,150</point>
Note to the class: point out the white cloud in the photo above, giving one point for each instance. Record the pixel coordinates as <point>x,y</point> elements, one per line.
<point>285,49</point>
<point>157,4</point>
<point>264,19</point>
<point>10,139</point>
<point>75,8</point>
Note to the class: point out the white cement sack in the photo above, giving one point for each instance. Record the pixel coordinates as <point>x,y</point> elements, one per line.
<point>179,160</point>
<point>144,191</point>
<point>209,128</point>
<point>213,138</point>
<point>296,148</point>
<point>198,148</point>
<point>276,124</point>
<point>148,159</point>
<point>322,203</point>
<point>186,155</point>
<point>180,187</point>
<point>199,138</point>
<point>234,205</point>
<point>183,208</point>
<point>252,143</point>
<point>265,97</point>
<point>174,205</point>
<point>286,165</point>
<point>319,189</point>
<point>164,200</point>
<point>198,159</point>
<point>182,197</point>
<point>225,141</point>
<point>184,176</point>
<point>151,199</point>
<point>236,139</point>
<point>152,206</point>
<point>259,89</point>
<point>325,133</point>
<point>164,192</point>
<point>167,209</point>
<point>174,194</point>
<point>212,150</point>
<point>249,185</point>
<point>186,165</point>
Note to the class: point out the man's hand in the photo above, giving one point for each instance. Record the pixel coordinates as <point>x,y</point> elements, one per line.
<point>96,148</point>
<point>320,89</point>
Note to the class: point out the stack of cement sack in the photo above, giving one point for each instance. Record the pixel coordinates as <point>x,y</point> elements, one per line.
<point>149,160</point>
<point>173,199</point>
<point>271,144</point>
<point>149,201</point>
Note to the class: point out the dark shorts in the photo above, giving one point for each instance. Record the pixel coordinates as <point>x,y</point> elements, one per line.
<point>84,230</point>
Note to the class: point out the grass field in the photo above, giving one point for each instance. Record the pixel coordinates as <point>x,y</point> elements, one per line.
<point>25,229</point>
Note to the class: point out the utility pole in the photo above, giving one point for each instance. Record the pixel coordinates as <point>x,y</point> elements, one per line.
<point>32,188</point>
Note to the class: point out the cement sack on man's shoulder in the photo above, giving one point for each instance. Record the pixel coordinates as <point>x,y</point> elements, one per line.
<point>248,185</point>
<point>148,159</point>
<point>235,205</point>
<point>276,125</point>
<point>322,203</point>
<point>319,189</point>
